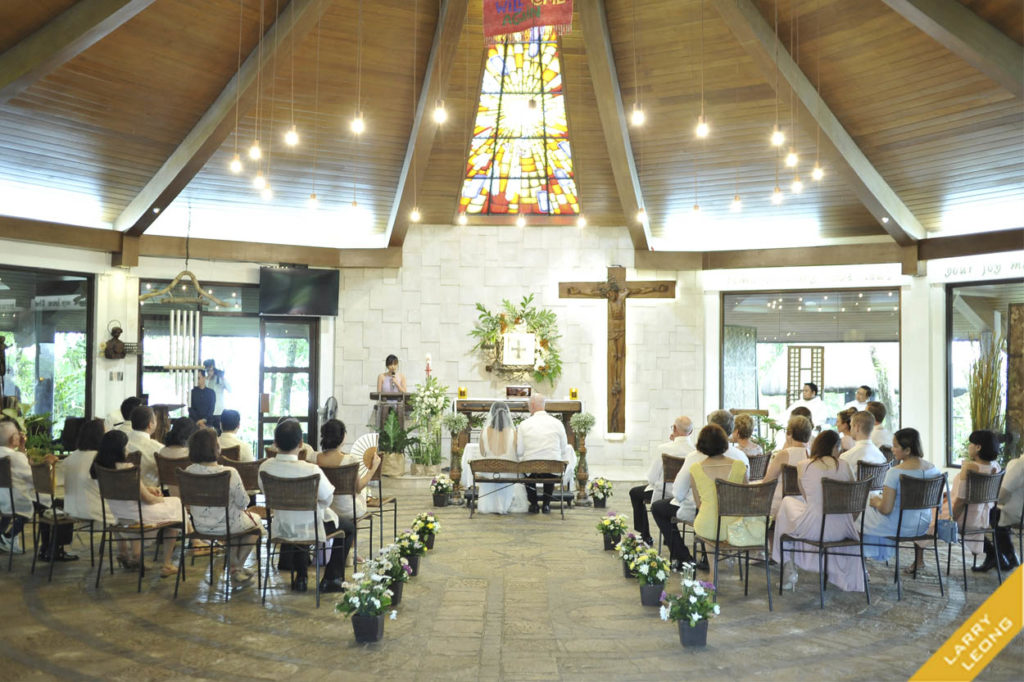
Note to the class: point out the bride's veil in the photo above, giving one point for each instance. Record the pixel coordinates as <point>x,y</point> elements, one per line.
<point>499,434</point>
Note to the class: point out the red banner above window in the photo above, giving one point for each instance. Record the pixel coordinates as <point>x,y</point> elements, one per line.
<point>511,16</point>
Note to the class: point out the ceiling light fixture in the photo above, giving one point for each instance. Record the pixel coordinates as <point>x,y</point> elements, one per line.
<point>440,113</point>
<point>267,193</point>
<point>414,215</point>
<point>236,164</point>
<point>798,186</point>
<point>358,125</point>
<point>313,202</point>
<point>791,158</point>
<point>259,182</point>
<point>255,152</point>
<point>736,205</point>
<point>702,130</point>
<point>777,195</point>
<point>521,221</point>
<point>291,138</point>
<point>581,222</point>
<point>818,172</point>
<point>637,117</point>
<point>462,219</point>
<point>641,215</point>
<point>778,137</point>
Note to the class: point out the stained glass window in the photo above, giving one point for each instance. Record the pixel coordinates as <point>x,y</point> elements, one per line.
<point>519,160</point>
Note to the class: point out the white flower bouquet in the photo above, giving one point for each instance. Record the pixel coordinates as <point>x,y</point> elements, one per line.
<point>696,603</point>
<point>367,594</point>
<point>650,567</point>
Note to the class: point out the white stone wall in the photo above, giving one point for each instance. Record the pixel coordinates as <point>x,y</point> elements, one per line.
<point>429,306</point>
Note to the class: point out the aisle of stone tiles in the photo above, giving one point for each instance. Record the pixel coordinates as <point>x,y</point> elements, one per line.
<point>516,598</point>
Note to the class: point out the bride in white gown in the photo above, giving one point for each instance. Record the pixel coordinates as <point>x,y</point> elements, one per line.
<point>498,441</point>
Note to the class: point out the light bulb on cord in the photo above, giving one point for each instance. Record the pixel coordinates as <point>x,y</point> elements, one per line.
<point>637,118</point>
<point>236,164</point>
<point>818,173</point>
<point>581,222</point>
<point>696,208</point>
<point>267,193</point>
<point>440,113</point>
<point>358,124</point>
<point>259,182</point>
<point>736,205</point>
<point>313,202</point>
<point>702,129</point>
<point>521,221</point>
<point>255,153</point>
<point>798,186</point>
<point>463,220</point>
<point>291,138</point>
<point>778,137</point>
<point>777,195</point>
<point>791,158</point>
<point>641,215</point>
<point>414,215</point>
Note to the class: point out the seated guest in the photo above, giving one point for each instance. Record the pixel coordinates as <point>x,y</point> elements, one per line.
<point>741,436</point>
<point>155,507</point>
<point>880,521</point>
<point>540,436</point>
<point>1007,513</point>
<point>12,445</point>
<point>176,440</point>
<point>306,452</point>
<point>880,436</point>
<point>81,493</point>
<point>203,449</point>
<point>798,434</point>
<point>140,440</point>
<point>498,440</point>
<point>127,406</point>
<point>863,450</point>
<point>299,525</point>
<point>810,400</point>
<point>678,445</point>
<point>725,419</point>
<point>332,435</point>
<point>714,443</point>
<point>860,401</point>
<point>843,426</point>
<point>801,517</point>
<point>230,421</point>
<point>982,451</point>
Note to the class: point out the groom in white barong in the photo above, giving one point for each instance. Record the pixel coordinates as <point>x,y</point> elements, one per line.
<point>497,441</point>
<point>541,436</point>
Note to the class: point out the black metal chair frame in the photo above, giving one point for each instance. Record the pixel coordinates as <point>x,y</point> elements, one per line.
<point>940,484</point>
<point>981,489</point>
<point>676,466</point>
<point>376,505</point>
<point>340,476</point>
<point>43,482</point>
<point>6,481</point>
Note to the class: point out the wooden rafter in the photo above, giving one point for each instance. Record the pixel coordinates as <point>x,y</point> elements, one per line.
<point>68,35</point>
<point>218,121</point>
<point>755,35</point>
<point>451,19</point>
<point>605,79</point>
<point>969,37</point>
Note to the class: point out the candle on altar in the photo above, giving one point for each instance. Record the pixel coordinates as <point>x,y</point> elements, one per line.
<point>428,364</point>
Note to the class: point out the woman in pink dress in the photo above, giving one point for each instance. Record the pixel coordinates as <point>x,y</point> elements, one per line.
<point>982,450</point>
<point>801,517</point>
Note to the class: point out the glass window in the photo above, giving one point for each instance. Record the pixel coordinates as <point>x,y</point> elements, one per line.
<point>858,332</point>
<point>977,314</point>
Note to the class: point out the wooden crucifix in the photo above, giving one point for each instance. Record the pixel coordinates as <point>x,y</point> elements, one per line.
<point>616,290</point>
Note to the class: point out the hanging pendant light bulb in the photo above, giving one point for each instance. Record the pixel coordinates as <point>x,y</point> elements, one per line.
<point>440,113</point>
<point>736,205</point>
<point>521,221</point>
<point>463,220</point>
<point>259,182</point>
<point>255,153</point>
<point>291,138</point>
<point>798,186</point>
<point>696,209</point>
<point>358,125</point>
<point>778,137</point>
<point>702,130</point>
<point>414,215</point>
<point>581,222</point>
<point>313,203</point>
<point>818,173</point>
<point>792,159</point>
<point>236,164</point>
<point>637,117</point>
<point>267,193</point>
<point>641,215</point>
<point>777,195</point>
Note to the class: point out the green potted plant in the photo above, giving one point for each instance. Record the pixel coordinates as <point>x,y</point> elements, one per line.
<point>767,445</point>
<point>692,609</point>
<point>985,387</point>
<point>392,564</point>
<point>426,526</point>
<point>652,570</point>
<point>581,424</point>
<point>392,443</point>
<point>411,546</point>
<point>600,489</point>
<point>441,488</point>
<point>612,527</point>
<point>366,601</point>
<point>628,548</point>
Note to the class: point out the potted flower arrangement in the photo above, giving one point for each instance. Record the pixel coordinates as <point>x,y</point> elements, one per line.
<point>628,548</point>
<point>441,487</point>
<point>395,567</point>
<point>366,600</point>
<point>412,548</point>
<point>691,609</point>
<point>426,526</point>
<point>581,424</point>
<point>392,443</point>
<point>428,404</point>
<point>652,570</point>
<point>612,527</point>
<point>600,489</point>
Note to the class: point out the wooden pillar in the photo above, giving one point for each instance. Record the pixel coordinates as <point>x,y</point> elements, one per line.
<point>1015,376</point>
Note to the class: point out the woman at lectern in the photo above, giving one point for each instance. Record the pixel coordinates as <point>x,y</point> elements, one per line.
<point>391,381</point>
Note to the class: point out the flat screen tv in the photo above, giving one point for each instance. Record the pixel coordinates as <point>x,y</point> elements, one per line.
<point>298,291</point>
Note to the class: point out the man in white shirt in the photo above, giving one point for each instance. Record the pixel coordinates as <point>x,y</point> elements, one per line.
<point>12,441</point>
<point>299,525</point>
<point>230,420</point>
<point>127,405</point>
<point>863,450</point>
<point>813,402</point>
<point>678,445</point>
<point>540,436</point>
<point>880,436</point>
<point>140,440</point>
<point>1006,514</point>
<point>860,401</point>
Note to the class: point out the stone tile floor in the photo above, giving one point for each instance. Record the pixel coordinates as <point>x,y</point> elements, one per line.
<point>527,597</point>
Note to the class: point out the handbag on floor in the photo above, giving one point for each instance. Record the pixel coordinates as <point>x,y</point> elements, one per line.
<point>946,529</point>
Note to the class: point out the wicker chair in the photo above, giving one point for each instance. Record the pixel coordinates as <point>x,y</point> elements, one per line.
<point>887,453</point>
<point>122,485</point>
<point>670,468</point>
<point>790,481</point>
<point>249,471</point>
<point>916,494</point>
<point>213,490</point>
<point>47,514</point>
<point>345,480</point>
<point>758,466</point>
<point>134,458</point>
<point>742,499</point>
<point>232,453</point>
<point>167,469</point>
<point>376,505</point>
<point>981,489</point>
<point>298,495</point>
<point>548,467</point>
<point>7,482</point>
<point>873,472</point>
<point>480,469</point>
<point>838,497</point>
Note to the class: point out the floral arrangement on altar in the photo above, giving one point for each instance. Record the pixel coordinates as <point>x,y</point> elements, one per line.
<point>409,544</point>
<point>630,546</point>
<point>613,524</point>
<point>429,403</point>
<point>650,567</point>
<point>426,523</point>
<point>367,594</point>
<point>455,423</point>
<point>524,318</point>
<point>581,423</point>
<point>391,563</point>
<point>697,602</point>
<point>441,485</point>
<point>600,488</point>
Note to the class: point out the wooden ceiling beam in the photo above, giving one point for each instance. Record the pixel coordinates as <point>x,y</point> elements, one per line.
<point>969,37</point>
<point>71,33</point>
<point>218,121</point>
<point>451,19</point>
<point>977,244</point>
<point>603,75</point>
<point>755,35</point>
<point>59,234</point>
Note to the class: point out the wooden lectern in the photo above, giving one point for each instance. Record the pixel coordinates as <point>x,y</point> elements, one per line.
<point>387,401</point>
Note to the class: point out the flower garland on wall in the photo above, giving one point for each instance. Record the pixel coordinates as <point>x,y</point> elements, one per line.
<point>522,318</point>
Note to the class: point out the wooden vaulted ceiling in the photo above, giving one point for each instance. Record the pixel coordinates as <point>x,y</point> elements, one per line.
<point>111,120</point>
